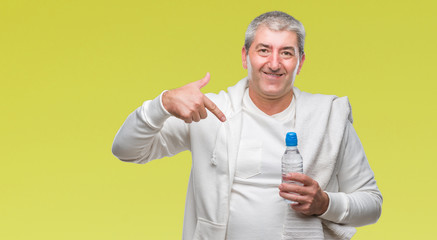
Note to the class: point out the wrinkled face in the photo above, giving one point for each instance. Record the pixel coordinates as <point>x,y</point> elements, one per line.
<point>272,63</point>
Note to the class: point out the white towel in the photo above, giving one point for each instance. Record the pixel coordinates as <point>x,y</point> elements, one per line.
<point>320,125</point>
<point>299,226</point>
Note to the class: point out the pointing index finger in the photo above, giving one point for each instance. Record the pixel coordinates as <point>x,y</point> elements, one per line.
<point>213,108</point>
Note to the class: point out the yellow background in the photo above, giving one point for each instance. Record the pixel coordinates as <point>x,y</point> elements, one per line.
<point>71,72</point>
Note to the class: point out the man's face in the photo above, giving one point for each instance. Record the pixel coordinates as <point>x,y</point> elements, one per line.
<point>272,63</point>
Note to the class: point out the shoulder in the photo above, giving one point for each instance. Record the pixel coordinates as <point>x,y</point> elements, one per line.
<point>221,99</point>
<point>310,103</point>
<point>218,98</point>
<point>230,101</point>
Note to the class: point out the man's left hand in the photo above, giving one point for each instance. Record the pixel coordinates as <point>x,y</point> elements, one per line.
<point>310,198</point>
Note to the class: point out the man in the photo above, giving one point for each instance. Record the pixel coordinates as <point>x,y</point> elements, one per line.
<point>235,189</point>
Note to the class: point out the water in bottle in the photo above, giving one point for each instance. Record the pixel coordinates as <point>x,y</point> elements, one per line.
<point>291,160</point>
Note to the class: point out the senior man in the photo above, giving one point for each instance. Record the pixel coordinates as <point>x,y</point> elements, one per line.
<point>235,189</point>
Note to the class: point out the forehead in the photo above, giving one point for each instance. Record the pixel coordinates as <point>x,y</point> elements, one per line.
<point>278,39</point>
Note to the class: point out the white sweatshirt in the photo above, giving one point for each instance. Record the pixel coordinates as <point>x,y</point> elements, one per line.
<point>328,142</point>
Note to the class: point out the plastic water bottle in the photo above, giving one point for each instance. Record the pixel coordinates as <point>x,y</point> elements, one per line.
<point>291,160</point>
<point>297,225</point>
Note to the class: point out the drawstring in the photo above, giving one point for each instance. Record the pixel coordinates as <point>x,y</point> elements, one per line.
<point>213,155</point>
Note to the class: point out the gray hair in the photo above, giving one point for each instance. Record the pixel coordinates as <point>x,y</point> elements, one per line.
<point>276,21</point>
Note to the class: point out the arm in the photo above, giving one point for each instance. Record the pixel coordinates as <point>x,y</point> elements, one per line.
<point>358,200</point>
<point>152,132</point>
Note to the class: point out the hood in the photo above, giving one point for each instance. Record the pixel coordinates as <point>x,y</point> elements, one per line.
<point>236,93</point>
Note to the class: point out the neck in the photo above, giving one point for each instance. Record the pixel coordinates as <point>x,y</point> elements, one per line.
<point>271,106</point>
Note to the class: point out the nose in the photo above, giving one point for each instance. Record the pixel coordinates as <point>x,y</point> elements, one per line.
<point>274,62</point>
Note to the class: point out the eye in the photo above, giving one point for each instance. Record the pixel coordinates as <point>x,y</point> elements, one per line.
<point>263,52</point>
<point>287,54</point>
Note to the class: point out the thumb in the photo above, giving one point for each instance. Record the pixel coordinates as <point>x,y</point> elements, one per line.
<point>202,82</point>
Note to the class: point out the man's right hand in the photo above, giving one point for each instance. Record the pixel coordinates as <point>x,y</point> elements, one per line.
<point>189,103</point>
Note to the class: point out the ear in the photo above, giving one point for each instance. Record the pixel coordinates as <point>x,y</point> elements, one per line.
<point>301,63</point>
<point>244,57</point>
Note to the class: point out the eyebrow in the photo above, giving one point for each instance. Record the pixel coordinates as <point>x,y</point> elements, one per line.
<point>268,46</point>
<point>289,48</point>
<point>262,45</point>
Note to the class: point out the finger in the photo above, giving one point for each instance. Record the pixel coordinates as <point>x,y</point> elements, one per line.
<point>291,187</point>
<point>214,109</point>
<point>188,120</point>
<point>195,116</point>
<point>202,82</point>
<point>299,177</point>
<point>300,194</point>
<point>202,112</point>
<point>302,208</point>
<point>292,197</point>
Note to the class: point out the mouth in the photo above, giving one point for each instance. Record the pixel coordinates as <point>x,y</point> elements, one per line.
<point>275,75</point>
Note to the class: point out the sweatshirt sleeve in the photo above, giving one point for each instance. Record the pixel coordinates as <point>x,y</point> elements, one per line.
<point>358,200</point>
<point>150,132</point>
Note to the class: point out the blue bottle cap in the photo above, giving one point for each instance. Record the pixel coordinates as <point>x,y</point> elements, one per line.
<point>291,139</point>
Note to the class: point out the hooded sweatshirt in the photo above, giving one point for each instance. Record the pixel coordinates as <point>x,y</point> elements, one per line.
<point>332,153</point>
